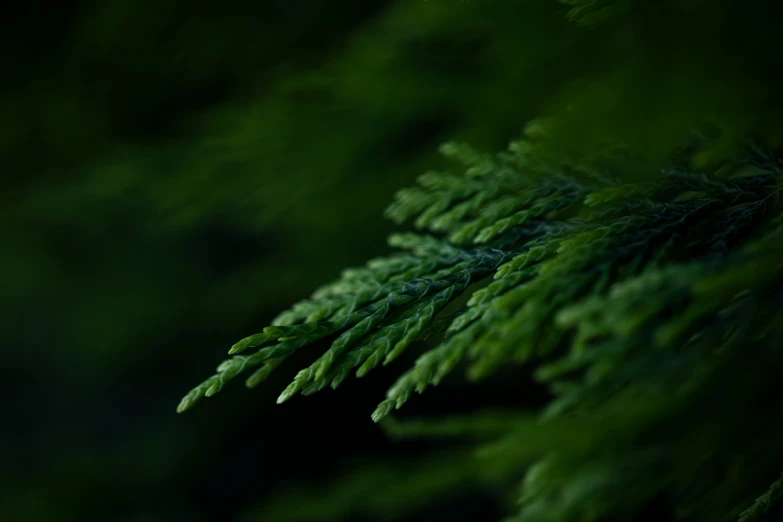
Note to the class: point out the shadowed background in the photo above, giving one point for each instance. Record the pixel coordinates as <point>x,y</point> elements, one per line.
<point>174,174</point>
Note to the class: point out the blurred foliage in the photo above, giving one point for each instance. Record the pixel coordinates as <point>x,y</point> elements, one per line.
<point>165,119</point>
<point>175,173</point>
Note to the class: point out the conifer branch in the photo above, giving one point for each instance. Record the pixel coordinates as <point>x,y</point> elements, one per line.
<point>617,293</point>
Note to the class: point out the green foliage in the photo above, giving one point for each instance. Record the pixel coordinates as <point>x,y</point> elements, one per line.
<point>638,304</point>
<point>627,250</point>
<point>763,503</point>
<point>176,172</point>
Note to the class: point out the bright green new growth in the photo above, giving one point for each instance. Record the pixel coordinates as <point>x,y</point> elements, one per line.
<point>545,241</point>
<point>624,294</point>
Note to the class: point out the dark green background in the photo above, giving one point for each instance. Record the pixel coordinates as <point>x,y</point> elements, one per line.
<point>175,173</point>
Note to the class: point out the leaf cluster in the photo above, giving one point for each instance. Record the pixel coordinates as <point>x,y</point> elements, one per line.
<point>651,311</point>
